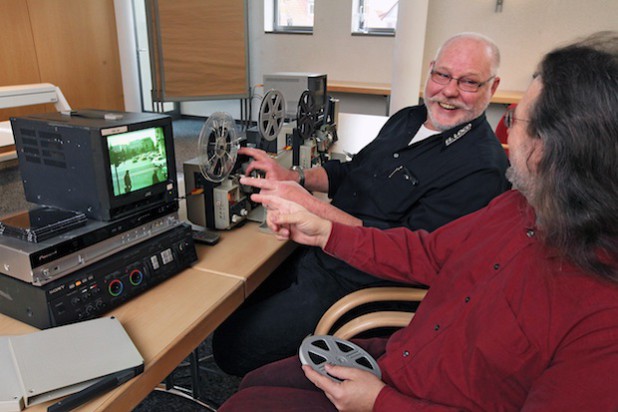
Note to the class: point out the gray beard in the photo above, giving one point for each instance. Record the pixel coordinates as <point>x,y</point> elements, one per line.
<point>520,183</point>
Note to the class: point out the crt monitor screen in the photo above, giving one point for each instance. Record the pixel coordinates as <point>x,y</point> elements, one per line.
<point>138,160</point>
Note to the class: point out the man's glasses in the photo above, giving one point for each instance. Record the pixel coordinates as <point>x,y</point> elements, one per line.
<point>509,118</point>
<point>463,84</point>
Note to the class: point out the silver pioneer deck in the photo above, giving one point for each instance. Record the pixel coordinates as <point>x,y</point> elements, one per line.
<point>19,258</point>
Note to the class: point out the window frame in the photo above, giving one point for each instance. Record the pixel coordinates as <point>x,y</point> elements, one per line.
<point>272,25</point>
<point>358,6</point>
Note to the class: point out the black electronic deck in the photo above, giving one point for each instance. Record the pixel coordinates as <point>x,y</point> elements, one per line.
<point>104,285</point>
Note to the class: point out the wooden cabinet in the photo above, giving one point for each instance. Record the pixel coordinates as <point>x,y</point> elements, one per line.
<point>70,43</point>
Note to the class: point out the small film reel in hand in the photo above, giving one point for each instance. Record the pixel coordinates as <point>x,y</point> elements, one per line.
<point>317,351</point>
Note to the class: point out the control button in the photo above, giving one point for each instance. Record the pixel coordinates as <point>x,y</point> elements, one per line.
<point>154,261</point>
<point>115,287</point>
<point>136,277</point>
<point>167,256</point>
<point>89,310</point>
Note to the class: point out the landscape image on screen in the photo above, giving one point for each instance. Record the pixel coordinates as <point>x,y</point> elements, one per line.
<point>137,159</point>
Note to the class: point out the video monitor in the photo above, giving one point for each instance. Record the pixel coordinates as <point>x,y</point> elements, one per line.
<point>137,160</point>
<point>106,165</point>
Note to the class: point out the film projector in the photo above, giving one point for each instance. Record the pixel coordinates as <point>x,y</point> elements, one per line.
<point>215,199</point>
<point>315,131</point>
<point>309,135</point>
<point>272,130</point>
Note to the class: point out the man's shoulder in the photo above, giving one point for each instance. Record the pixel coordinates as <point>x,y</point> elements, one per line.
<point>511,199</point>
<point>418,111</point>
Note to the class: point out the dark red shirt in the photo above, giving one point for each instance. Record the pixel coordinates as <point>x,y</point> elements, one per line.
<point>506,325</point>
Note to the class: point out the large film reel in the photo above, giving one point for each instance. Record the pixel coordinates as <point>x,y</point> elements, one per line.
<point>306,115</point>
<point>218,146</point>
<point>317,351</point>
<point>271,115</point>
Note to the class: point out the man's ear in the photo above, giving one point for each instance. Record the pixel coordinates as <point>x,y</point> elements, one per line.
<point>494,85</point>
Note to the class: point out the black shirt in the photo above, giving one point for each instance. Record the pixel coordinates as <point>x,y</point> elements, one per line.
<point>425,185</point>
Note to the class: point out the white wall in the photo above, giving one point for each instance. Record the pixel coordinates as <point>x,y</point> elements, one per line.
<point>524,30</point>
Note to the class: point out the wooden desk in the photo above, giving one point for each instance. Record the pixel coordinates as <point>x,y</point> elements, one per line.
<point>245,253</point>
<point>166,323</point>
<point>337,86</point>
<point>170,320</point>
<point>501,96</point>
<point>384,89</point>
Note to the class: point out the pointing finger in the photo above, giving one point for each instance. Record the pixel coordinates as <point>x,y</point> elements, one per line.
<point>259,183</point>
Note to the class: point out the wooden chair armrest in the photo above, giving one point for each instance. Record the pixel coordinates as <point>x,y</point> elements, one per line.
<point>363,296</point>
<point>373,320</point>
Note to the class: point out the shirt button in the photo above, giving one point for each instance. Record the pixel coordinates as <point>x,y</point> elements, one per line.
<point>406,353</point>
<point>436,327</point>
<point>467,299</point>
<point>530,233</point>
<point>396,155</point>
<point>497,266</point>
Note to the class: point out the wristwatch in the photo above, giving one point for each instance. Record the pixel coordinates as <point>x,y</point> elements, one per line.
<point>301,174</point>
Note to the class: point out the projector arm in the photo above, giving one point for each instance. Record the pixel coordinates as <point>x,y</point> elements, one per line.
<point>31,94</point>
<point>26,95</point>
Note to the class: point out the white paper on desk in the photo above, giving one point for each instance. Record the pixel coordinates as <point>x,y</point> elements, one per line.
<point>63,360</point>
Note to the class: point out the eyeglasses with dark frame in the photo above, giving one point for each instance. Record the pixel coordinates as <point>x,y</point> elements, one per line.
<point>464,84</point>
<point>510,119</point>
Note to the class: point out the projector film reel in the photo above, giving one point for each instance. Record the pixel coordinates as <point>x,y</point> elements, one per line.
<point>306,115</point>
<point>317,351</point>
<point>271,115</point>
<point>218,146</point>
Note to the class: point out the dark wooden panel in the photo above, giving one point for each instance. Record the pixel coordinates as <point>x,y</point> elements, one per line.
<point>200,48</point>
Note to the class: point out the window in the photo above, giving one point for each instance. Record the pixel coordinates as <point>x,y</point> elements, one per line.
<point>288,16</point>
<point>378,17</point>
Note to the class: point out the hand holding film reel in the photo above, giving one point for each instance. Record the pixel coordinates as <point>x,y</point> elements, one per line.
<point>317,351</point>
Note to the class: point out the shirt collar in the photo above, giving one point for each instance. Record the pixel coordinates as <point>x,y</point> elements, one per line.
<point>452,135</point>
